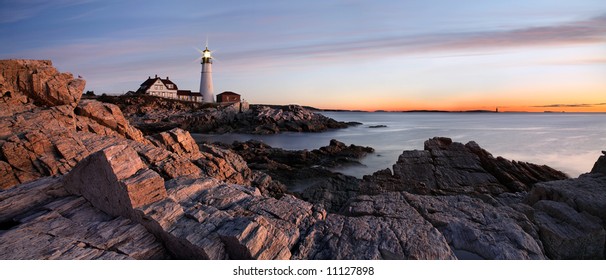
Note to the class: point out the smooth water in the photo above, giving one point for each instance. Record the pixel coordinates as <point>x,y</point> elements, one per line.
<point>567,142</point>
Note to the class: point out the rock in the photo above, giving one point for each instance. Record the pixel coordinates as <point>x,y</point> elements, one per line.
<point>267,185</point>
<point>40,81</point>
<point>152,115</point>
<point>378,227</point>
<point>377,126</point>
<point>70,228</point>
<point>26,197</point>
<point>447,167</point>
<point>332,191</point>
<point>107,115</point>
<point>116,181</point>
<point>38,143</point>
<point>210,220</point>
<point>600,165</point>
<point>584,194</point>
<point>224,165</point>
<point>301,170</point>
<point>177,141</point>
<point>568,234</point>
<point>516,176</point>
<point>472,225</point>
<point>42,141</point>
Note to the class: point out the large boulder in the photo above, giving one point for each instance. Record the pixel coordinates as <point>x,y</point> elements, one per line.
<point>116,181</point>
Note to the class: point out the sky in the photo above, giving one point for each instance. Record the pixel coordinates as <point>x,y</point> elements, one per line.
<point>517,55</point>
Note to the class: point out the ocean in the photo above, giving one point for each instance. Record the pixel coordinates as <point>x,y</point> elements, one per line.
<point>570,142</point>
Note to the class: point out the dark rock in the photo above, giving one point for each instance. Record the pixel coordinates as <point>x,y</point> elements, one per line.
<point>472,225</point>
<point>600,165</point>
<point>379,227</point>
<point>447,167</point>
<point>568,234</point>
<point>584,194</point>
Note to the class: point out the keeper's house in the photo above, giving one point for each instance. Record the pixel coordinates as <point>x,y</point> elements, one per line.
<point>166,88</point>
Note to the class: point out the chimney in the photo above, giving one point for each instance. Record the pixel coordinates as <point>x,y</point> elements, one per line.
<point>156,76</point>
<point>167,77</point>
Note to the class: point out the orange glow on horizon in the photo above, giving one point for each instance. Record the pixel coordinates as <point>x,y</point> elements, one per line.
<point>563,101</point>
<point>470,107</point>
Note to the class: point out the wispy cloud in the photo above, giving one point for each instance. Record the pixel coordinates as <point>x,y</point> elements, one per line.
<point>587,31</point>
<point>570,105</point>
<point>17,10</point>
<point>580,61</point>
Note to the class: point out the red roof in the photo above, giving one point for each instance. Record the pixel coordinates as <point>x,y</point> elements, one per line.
<point>228,93</point>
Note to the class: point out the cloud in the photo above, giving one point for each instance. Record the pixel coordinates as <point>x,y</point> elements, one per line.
<point>582,61</point>
<point>587,31</point>
<point>17,10</point>
<point>570,105</point>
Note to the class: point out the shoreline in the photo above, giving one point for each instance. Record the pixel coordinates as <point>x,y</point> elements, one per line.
<point>79,181</point>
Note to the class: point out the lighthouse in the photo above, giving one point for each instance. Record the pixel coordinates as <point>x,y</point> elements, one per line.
<point>206,77</point>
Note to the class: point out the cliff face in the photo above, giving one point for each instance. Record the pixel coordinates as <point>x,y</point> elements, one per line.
<point>79,182</point>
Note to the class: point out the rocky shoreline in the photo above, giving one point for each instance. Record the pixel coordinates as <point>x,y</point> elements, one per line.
<point>78,181</point>
<point>152,114</point>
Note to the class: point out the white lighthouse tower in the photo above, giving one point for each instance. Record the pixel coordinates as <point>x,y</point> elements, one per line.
<point>206,77</point>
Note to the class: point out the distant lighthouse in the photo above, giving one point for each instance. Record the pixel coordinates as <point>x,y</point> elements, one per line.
<point>206,77</point>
